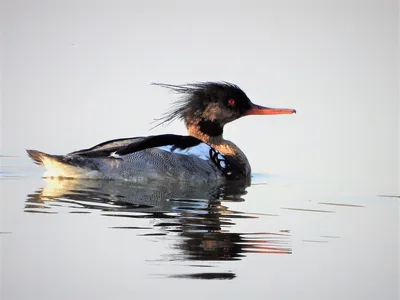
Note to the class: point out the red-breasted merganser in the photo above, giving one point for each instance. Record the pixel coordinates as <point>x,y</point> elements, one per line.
<point>202,155</point>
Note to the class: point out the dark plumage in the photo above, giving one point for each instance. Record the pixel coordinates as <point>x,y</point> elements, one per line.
<point>118,147</point>
<point>196,97</point>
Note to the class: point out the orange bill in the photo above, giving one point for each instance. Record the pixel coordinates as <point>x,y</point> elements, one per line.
<point>261,110</point>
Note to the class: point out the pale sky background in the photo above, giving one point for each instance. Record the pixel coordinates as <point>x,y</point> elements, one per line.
<point>77,73</point>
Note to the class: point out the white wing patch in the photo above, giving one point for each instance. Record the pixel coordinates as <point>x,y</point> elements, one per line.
<point>115,155</point>
<point>201,150</point>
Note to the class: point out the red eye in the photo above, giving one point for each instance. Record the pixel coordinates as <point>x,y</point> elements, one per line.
<point>231,102</point>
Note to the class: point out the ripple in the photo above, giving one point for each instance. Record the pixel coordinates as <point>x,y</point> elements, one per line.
<point>206,276</point>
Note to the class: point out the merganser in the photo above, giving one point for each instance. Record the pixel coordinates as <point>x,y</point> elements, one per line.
<point>202,155</point>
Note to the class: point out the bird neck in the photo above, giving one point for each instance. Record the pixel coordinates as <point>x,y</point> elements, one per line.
<point>223,146</point>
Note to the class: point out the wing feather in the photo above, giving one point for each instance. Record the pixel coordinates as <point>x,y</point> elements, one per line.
<point>121,147</point>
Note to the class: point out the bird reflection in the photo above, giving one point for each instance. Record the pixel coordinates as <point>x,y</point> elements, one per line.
<point>198,215</point>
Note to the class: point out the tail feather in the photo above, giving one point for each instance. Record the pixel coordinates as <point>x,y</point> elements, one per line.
<point>63,166</point>
<point>40,157</point>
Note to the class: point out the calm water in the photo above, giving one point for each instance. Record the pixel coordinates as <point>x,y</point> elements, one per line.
<point>283,237</point>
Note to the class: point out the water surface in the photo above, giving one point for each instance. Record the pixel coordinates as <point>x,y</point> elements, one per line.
<point>280,237</point>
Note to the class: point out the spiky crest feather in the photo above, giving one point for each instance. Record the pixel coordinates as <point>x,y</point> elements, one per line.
<point>195,96</point>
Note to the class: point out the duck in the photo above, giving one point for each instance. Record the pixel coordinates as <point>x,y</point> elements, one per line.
<point>202,155</point>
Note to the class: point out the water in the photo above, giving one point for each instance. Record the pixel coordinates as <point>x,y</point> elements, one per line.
<point>282,237</point>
